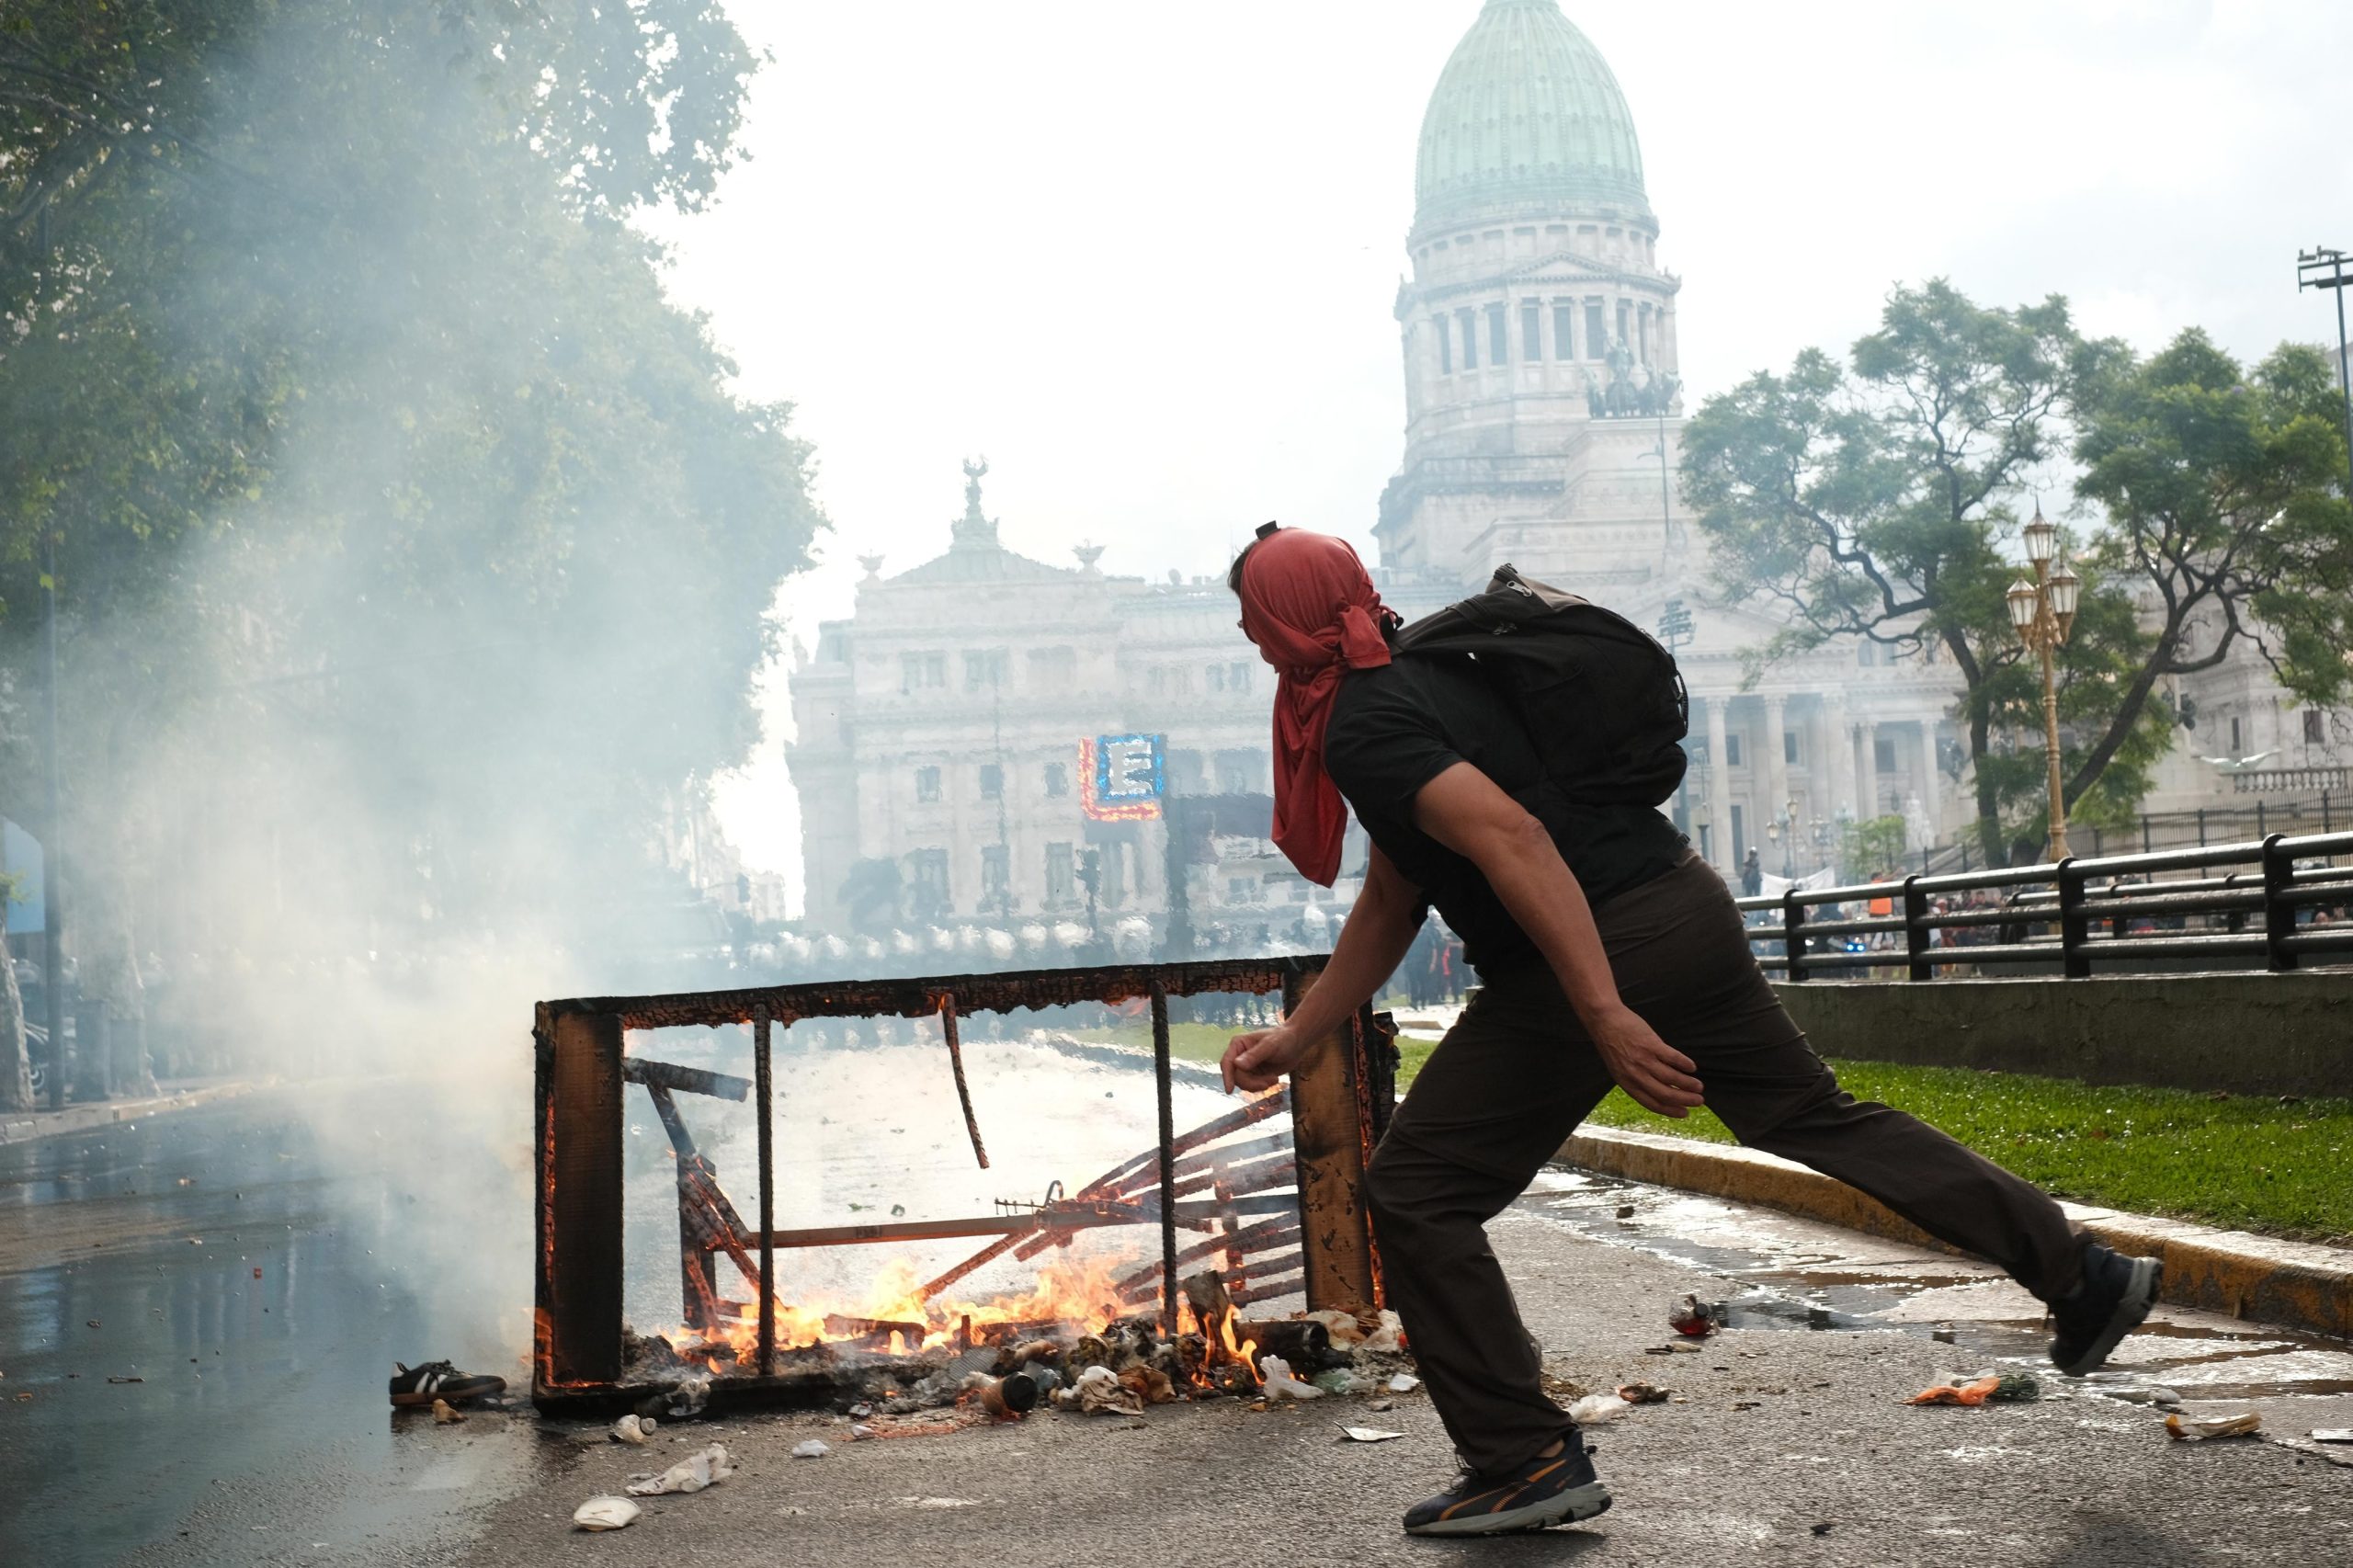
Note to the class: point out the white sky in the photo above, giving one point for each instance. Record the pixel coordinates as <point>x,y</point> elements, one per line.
<point>1144,257</point>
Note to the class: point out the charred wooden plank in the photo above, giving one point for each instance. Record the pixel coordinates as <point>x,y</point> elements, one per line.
<point>581,1232</point>
<point>688,1080</point>
<point>1327,1130</point>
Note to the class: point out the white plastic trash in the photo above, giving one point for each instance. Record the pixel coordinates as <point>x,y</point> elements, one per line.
<point>708,1468</point>
<point>1597,1408</point>
<point>811,1450</point>
<point>605,1514</point>
<point>1281,1384</point>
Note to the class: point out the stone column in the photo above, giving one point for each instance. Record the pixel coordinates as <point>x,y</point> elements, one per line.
<point>1719,785</point>
<point>1931,787</point>
<point>1777,762</point>
<point>1837,766</point>
<point>1867,768</point>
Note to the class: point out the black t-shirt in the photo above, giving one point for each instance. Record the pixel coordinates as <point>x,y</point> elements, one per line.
<point>1396,727</point>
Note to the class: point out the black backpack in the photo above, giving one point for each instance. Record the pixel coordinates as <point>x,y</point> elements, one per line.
<point>1601,699</point>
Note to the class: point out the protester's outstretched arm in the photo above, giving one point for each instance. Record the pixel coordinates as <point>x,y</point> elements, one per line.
<point>1380,926</point>
<point>1467,812</point>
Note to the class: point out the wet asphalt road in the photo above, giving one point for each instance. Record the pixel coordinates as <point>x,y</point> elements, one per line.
<point>249,1265</point>
<point>260,1434</point>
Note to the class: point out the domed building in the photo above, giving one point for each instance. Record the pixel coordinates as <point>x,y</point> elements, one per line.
<point>1544,423</point>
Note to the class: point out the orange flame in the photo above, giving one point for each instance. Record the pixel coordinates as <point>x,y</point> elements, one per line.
<point>1072,1292</point>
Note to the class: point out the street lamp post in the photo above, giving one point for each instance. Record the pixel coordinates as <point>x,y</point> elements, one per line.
<point>2043,612</point>
<point>2325,268</point>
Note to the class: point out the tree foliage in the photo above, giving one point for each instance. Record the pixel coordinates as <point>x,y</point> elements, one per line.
<point>389,495</point>
<point>2223,491</point>
<point>1878,499</point>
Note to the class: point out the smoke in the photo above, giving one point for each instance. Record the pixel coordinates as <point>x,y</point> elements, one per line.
<point>421,565</point>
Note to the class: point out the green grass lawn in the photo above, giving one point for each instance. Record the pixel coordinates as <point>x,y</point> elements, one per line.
<point>2241,1161</point>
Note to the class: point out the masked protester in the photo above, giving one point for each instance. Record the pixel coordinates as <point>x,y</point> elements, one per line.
<point>1610,953</point>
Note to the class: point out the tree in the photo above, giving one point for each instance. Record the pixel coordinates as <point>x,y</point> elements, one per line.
<point>1869,500</point>
<point>412,548</point>
<point>2226,511</point>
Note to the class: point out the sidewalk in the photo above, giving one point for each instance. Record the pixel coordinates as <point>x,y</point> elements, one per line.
<point>22,1127</point>
<point>2297,1284</point>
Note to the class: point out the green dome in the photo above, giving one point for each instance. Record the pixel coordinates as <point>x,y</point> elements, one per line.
<point>1526,112</point>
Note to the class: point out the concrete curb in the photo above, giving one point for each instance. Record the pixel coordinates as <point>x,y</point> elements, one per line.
<point>2295,1284</point>
<point>24,1128</point>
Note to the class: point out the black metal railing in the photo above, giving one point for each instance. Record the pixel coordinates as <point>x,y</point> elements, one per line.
<point>2277,903</point>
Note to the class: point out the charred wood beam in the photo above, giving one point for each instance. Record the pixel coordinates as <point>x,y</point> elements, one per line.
<point>1005,992</point>
<point>692,1080</point>
<point>1239,1180</point>
<point>1288,1285</point>
<point>1071,1216</point>
<point>1262,1237</point>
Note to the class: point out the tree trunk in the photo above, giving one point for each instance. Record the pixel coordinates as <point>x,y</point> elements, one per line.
<point>1989,808</point>
<point>16,1067</point>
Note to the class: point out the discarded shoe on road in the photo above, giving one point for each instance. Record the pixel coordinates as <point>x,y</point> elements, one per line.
<point>421,1385</point>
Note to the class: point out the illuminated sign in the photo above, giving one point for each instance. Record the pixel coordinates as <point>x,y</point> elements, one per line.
<point>1120,776</point>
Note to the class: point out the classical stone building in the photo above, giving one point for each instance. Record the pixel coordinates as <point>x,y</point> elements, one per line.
<point>940,726</point>
<point>1544,419</point>
<point>942,754</point>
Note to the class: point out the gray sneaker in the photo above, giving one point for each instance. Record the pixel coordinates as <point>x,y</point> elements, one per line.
<point>2114,1298</point>
<point>1559,1490</point>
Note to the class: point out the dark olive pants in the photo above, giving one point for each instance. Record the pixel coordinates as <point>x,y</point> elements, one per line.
<point>1516,1074</point>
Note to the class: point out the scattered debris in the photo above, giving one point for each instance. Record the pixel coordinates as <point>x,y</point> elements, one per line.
<point>1747,1404</point>
<point>1679,1348</point>
<point>1642,1394</point>
<point>681,1401</point>
<point>1694,1318</point>
<point>1404,1382</point>
<point>708,1468</point>
<point>1370,1434</point>
<point>2195,1430</point>
<point>1339,1379</point>
<point>126,1379</point>
<point>1008,1398</point>
<point>1942,1336</point>
<point>2332,1433</point>
<point>1625,1210</point>
<point>1381,1405</point>
<point>1822,1530</point>
<point>1149,1384</point>
<point>1596,1408</point>
<point>605,1514</point>
<point>444,1414</point>
<point>1995,1388</point>
<point>632,1429</point>
<point>1098,1391</point>
<point>812,1449</point>
<point>1281,1384</point>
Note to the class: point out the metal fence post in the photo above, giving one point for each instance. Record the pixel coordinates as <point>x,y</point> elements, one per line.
<point>2144,833</point>
<point>1916,928</point>
<point>2074,932</point>
<point>1793,933</point>
<point>2278,915</point>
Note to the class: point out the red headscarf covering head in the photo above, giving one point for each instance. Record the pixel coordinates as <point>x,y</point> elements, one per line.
<point>1307,605</point>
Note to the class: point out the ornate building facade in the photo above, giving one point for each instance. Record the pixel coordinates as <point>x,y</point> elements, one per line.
<point>1544,409</point>
<point>940,726</point>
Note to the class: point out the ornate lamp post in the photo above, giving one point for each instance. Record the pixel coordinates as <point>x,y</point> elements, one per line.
<point>2043,613</point>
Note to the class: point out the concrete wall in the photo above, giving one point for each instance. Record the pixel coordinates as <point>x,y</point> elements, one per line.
<point>2249,1033</point>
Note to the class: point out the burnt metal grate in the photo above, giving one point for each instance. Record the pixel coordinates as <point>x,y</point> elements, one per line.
<point>1316,1240</point>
